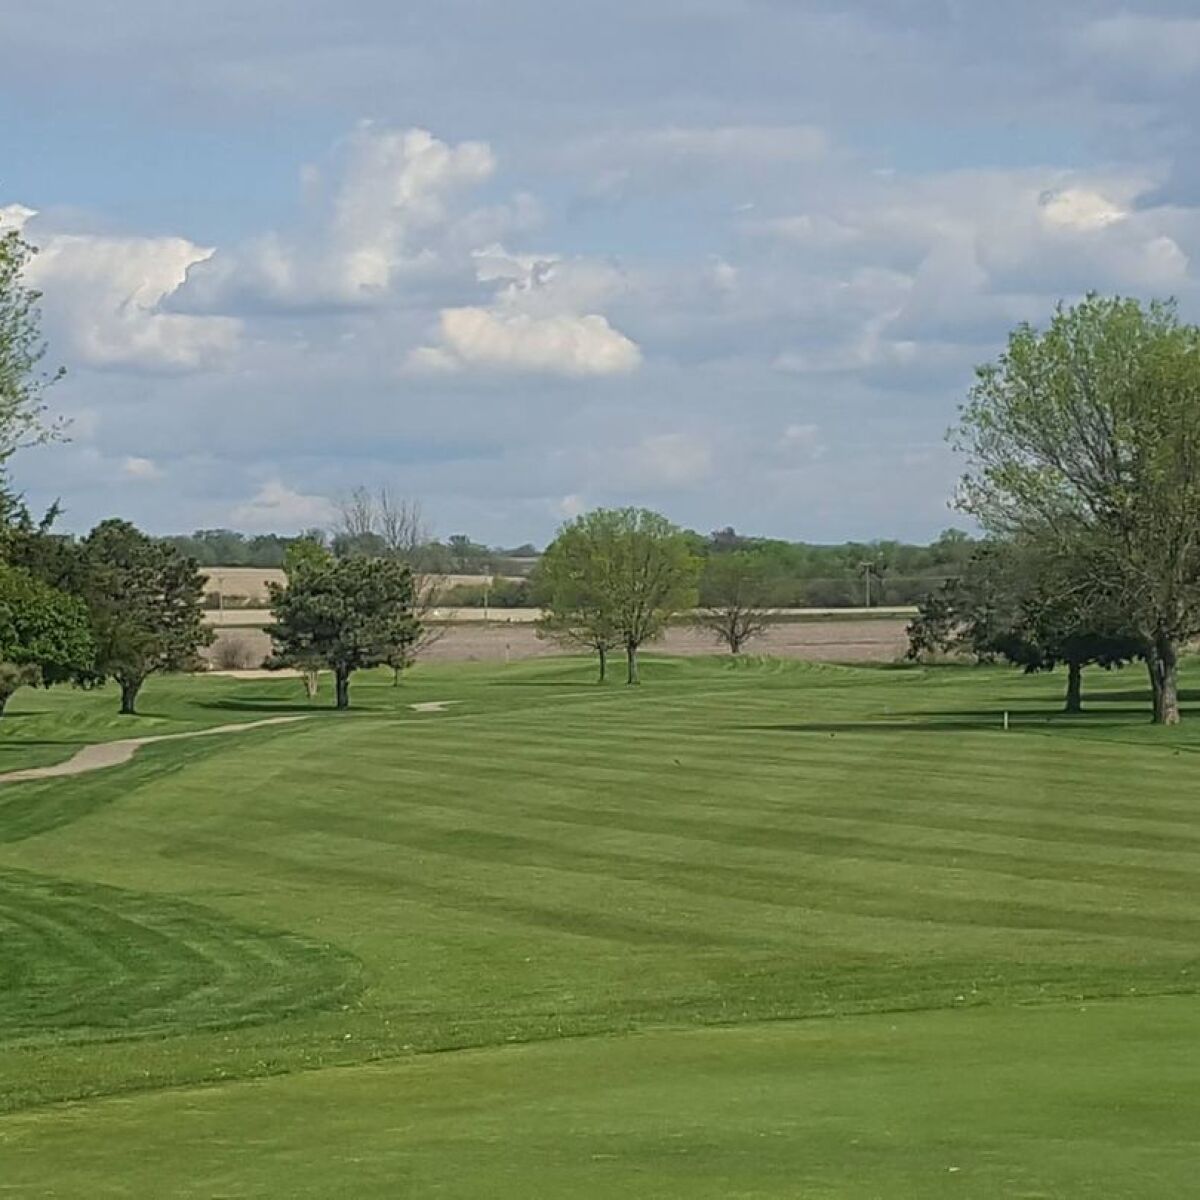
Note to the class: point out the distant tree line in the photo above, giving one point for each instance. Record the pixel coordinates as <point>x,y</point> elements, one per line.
<point>796,574</point>
<point>357,534</point>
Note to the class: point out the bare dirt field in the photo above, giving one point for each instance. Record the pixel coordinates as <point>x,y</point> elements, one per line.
<point>874,639</point>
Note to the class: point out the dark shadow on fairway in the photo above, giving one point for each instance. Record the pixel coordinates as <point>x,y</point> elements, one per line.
<point>299,707</point>
<point>548,683</point>
<point>25,743</point>
<point>1053,713</point>
<point>966,723</point>
<point>1142,696</point>
<point>264,706</point>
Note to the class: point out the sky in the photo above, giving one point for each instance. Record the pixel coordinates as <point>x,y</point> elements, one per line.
<point>735,260</point>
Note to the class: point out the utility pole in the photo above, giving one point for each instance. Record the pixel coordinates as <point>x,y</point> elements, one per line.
<point>867,569</point>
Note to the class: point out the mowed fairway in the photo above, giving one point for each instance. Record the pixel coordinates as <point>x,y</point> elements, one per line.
<point>757,930</point>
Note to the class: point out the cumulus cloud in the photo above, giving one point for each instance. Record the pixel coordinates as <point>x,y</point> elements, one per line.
<point>106,298</point>
<point>277,508</point>
<point>559,345</point>
<point>537,321</point>
<point>913,273</point>
<point>134,467</point>
<point>387,216</point>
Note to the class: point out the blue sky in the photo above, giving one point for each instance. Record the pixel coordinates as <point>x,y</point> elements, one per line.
<point>733,259</point>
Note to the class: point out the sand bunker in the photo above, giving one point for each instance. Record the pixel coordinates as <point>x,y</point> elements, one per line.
<point>112,754</point>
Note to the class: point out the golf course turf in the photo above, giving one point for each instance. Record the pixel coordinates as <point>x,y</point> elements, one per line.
<point>754,929</point>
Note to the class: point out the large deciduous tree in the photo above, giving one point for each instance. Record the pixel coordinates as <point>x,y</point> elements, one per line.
<point>1087,435</point>
<point>22,350</point>
<point>626,571</point>
<point>572,584</point>
<point>1031,607</point>
<point>735,593</point>
<point>45,634</point>
<point>346,614</point>
<point>146,606</point>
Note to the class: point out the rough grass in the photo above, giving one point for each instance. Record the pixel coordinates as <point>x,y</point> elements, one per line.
<point>727,846</point>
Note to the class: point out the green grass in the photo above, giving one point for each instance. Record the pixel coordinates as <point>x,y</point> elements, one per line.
<point>763,929</point>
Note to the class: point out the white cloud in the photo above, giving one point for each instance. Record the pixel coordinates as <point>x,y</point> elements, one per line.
<point>15,216</point>
<point>387,217</point>
<point>106,298</point>
<point>560,345</point>
<point>134,467</point>
<point>276,508</point>
<point>538,321</point>
<point>1079,208</point>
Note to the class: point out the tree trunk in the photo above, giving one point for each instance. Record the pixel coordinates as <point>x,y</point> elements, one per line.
<point>631,655</point>
<point>1074,688</point>
<point>341,679</point>
<point>129,693</point>
<point>1163,664</point>
<point>602,655</point>
<point>312,683</point>
<point>5,697</point>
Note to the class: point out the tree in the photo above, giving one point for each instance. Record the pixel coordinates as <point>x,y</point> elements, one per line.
<point>381,524</point>
<point>346,614</point>
<point>22,382</point>
<point>628,571</point>
<point>45,634</point>
<point>1088,434</point>
<point>468,557</point>
<point>305,554</point>
<point>735,591</point>
<point>145,601</point>
<point>1031,607</point>
<point>572,584</point>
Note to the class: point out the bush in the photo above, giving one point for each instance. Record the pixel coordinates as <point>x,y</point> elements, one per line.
<point>233,654</point>
<point>504,593</point>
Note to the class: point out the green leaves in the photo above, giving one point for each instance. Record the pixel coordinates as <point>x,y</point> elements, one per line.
<point>616,577</point>
<point>145,601</point>
<point>22,384</point>
<point>45,634</point>
<point>1087,437</point>
<point>343,613</point>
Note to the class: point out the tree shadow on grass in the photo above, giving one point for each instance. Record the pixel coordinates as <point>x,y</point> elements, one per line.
<point>25,743</point>
<point>552,683</point>
<point>1016,714</point>
<point>963,722</point>
<point>1140,696</point>
<point>248,704</point>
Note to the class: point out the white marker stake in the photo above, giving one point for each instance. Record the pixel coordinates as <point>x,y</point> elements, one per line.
<point>1006,720</point>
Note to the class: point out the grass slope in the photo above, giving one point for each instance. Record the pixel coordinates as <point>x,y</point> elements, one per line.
<point>726,846</point>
